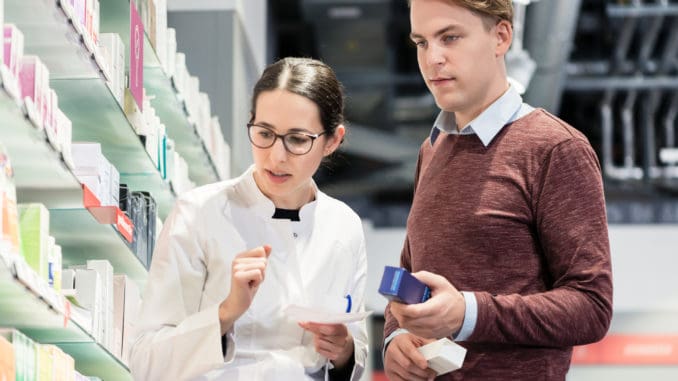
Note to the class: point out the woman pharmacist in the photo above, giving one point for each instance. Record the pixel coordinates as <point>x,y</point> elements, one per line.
<point>234,254</point>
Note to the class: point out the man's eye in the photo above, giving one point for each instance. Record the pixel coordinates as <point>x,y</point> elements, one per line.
<point>420,44</point>
<point>450,38</point>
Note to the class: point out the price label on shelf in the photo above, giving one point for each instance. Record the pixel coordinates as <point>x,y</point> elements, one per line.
<point>67,312</point>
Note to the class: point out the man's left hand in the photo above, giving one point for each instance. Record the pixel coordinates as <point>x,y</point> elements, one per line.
<point>440,316</point>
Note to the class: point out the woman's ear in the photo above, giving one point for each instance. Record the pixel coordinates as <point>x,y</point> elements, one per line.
<point>335,140</point>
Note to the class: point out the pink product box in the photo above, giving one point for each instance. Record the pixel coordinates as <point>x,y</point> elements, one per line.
<point>49,116</point>
<point>34,82</point>
<point>13,48</point>
<point>80,7</point>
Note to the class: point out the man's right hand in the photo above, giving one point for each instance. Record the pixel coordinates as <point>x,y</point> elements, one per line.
<point>402,360</point>
<point>247,272</point>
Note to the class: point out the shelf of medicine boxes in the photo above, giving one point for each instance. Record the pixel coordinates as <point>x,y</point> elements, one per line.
<point>38,168</point>
<point>40,175</point>
<point>41,315</point>
<point>167,102</point>
<point>84,95</point>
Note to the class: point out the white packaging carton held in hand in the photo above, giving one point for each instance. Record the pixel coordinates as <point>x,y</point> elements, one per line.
<point>443,355</point>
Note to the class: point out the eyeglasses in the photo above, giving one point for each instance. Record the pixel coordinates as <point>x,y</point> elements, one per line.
<point>296,143</point>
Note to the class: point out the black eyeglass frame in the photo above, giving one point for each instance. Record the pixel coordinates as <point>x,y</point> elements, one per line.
<point>282,137</point>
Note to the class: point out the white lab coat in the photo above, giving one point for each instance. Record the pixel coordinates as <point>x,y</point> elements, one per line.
<point>314,262</point>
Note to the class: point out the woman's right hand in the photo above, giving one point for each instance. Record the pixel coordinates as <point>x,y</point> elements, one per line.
<point>247,272</point>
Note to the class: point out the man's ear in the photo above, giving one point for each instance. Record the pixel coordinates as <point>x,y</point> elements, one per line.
<point>335,140</point>
<point>504,34</point>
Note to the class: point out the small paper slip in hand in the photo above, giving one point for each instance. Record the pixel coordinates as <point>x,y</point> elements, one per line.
<point>315,315</point>
<point>443,355</point>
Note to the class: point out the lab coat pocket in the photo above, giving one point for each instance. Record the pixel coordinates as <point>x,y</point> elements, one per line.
<point>329,277</point>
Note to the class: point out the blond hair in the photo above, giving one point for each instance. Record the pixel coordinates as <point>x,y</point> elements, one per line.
<point>492,11</point>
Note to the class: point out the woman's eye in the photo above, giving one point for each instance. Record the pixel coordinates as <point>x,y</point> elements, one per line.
<point>298,139</point>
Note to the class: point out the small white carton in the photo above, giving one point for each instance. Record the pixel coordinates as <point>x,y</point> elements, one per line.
<point>443,355</point>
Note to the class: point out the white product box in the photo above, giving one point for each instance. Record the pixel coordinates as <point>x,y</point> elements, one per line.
<point>152,136</point>
<point>49,119</point>
<point>2,22</point>
<point>170,59</point>
<point>88,295</point>
<point>443,355</point>
<point>65,133</point>
<point>105,271</point>
<point>114,188</point>
<point>92,169</point>
<point>161,30</point>
<point>127,302</point>
<point>112,44</point>
<point>104,172</point>
<point>55,266</point>
<point>204,120</point>
<point>169,159</point>
<point>181,74</point>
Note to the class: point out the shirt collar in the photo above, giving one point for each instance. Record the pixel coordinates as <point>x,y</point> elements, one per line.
<point>264,207</point>
<point>486,125</point>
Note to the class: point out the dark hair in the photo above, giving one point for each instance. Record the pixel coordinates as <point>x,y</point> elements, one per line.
<point>309,78</point>
<point>491,11</point>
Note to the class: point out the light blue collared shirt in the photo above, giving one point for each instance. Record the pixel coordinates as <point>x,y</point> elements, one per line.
<point>505,110</point>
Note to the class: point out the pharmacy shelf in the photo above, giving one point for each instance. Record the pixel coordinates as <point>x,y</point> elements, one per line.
<point>172,113</point>
<point>82,238</point>
<point>98,117</point>
<point>24,310</point>
<point>49,34</point>
<point>38,169</point>
<point>115,17</point>
<point>85,98</point>
<point>93,360</point>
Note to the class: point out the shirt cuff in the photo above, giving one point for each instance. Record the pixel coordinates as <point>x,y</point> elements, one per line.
<point>470,317</point>
<point>390,337</point>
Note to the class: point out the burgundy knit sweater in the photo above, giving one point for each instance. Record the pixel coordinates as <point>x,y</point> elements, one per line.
<point>522,224</point>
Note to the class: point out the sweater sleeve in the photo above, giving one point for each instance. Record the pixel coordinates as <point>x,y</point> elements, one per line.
<point>391,324</point>
<point>571,228</point>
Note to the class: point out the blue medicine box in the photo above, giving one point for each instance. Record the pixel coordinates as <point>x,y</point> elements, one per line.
<point>399,285</point>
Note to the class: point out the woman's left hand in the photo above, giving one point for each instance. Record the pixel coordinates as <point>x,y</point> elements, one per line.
<point>333,341</point>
